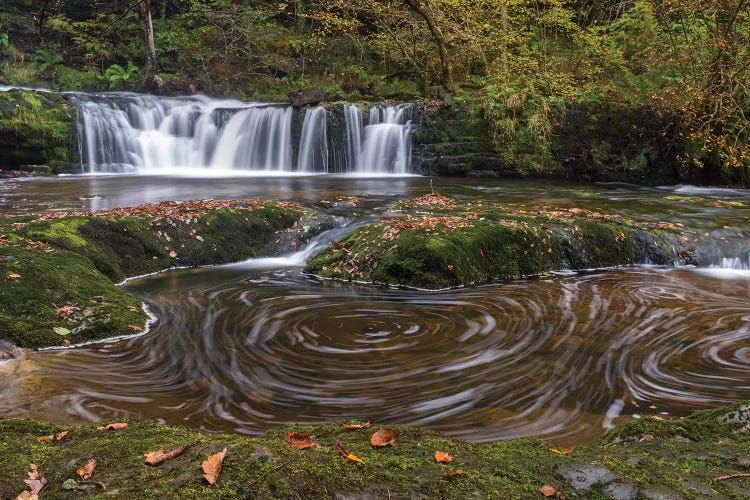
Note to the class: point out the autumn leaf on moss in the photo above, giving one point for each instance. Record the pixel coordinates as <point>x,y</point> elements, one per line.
<point>212,466</point>
<point>159,456</point>
<point>454,473</point>
<point>113,427</point>
<point>366,425</point>
<point>443,457</point>
<point>15,278</point>
<point>547,490</point>
<point>563,452</point>
<point>65,311</point>
<point>53,437</point>
<point>135,328</point>
<point>300,440</point>
<point>35,482</point>
<point>347,455</point>
<point>85,472</point>
<point>384,437</point>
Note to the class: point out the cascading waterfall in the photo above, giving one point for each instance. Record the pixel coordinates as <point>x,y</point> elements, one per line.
<point>125,132</point>
<point>353,121</point>
<point>387,143</point>
<point>313,146</point>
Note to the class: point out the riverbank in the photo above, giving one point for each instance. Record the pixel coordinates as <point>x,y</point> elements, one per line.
<point>705,455</point>
<point>59,270</point>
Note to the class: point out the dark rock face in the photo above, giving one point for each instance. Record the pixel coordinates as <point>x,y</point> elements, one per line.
<point>307,96</point>
<point>453,141</point>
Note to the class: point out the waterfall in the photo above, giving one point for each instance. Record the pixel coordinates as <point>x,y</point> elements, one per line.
<point>387,144</point>
<point>313,145</point>
<point>353,119</point>
<point>127,132</point>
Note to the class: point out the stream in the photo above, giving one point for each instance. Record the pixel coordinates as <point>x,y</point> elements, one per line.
<point>253,345</point>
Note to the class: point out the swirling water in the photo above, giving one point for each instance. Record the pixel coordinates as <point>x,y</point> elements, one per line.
<point>246,348</point>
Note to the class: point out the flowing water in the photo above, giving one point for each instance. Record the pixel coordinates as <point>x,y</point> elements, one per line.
<point>250,346</point>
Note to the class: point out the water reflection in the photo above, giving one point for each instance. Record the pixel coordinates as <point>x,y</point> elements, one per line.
<point>559,357</point>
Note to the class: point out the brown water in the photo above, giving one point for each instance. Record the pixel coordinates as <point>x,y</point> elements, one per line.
<point>250,346</point>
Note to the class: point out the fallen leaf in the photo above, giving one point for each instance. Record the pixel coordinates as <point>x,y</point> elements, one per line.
<point>347,455</point>
<point>36,482</point>
<point>159,456</point>
<point>51,437</point>
<point>454,473</point>
<point>65,311</point>
<point>212,466</point>
<point>88,469</point>
<point>547,490</point>
<point>66,341</point>
<point>113,427</point>
<point>173,254</point>
<point>384,437</point>
<point>443,457</point>
<point>366,425</point>
<point>563,452</point>
<point>61,330</point>
<point>15,278</point>
<point>135,328</point>
<point>300,440</point>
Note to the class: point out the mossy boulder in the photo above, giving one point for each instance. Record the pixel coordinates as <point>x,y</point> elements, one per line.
<point>441,242</point>
<point>703,455</point>
<point>36,128</point>
<point>58,271</point>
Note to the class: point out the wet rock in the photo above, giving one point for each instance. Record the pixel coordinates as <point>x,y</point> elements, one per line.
<point>9,351</point>
<point>583,478</point>
<point>739,417</point>
<point>307,96</point>
<point>661,493</point>
<point>621,491</point>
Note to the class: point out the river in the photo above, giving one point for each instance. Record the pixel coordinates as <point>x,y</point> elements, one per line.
<point>249,346</point>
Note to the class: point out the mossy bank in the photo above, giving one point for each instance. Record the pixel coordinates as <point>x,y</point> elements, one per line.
<point>438,242</point>
<point>58,271</point>
<point>37,131</point>
<point>702,456</point>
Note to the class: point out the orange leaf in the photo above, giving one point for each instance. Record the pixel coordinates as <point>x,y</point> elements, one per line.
<point>56,437</point>
<point>384,437</point>
<point>36,481</point>
<point>300,440</point>
<point>443,457</point>
<point>159,456</point>
<point>88,469</point>
<point>173,254</point>
<point>135,328</point>
<point>212,466</point>
<point>547,490</point>
<point>366,425</point>
<point>566,451</point>
<point>347,455</point>
<point>454,473</point>
<point>113,427</point>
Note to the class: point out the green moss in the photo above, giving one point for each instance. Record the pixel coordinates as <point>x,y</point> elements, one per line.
<point>444,243</point>
<point>75,261</point>
<point>35,127</point>
<point>267,467</point>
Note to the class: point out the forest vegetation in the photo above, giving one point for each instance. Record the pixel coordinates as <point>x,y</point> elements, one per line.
<point>531,69</point>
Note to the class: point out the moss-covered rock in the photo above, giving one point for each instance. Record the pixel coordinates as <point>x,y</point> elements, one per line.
<point>58,271</point>
<point>681,458</point>
<point>443,243</point>
<point>36,128</point>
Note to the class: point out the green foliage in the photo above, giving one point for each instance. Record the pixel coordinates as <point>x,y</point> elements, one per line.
<point>120,77</point>
<point>47,61</point>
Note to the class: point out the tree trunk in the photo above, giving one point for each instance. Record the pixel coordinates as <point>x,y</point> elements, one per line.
<point>149,79</point>
<point>437,36</point>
